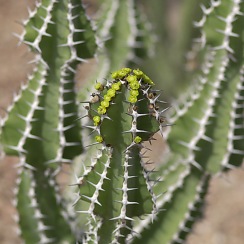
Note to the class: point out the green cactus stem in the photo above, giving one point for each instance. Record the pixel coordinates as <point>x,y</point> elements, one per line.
<point>116,185</point>
<point>120,192</point>
<point>207,136</point>
<point>40,127</point>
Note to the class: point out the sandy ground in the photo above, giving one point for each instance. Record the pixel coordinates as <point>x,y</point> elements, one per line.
<point>223,221</point>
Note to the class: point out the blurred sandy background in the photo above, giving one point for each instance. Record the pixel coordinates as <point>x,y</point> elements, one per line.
<point>223,221</point>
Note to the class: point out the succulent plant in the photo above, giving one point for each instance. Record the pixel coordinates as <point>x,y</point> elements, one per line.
<point>116,183</point>
<point>121,196</point>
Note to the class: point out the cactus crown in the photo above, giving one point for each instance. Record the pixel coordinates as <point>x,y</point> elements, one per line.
<point>136,87</point>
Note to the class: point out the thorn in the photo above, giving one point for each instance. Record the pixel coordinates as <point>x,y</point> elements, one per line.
<point>71,44</point>
<point>26,165</point>
<point>76,201</point>
<point>229,166</point>
<point>16,148</point>
<point>82,60</point>
<point>239,152</point>
<point>69,115</point>
<point>189,146</point>
<point>79,30</point>
<point>20,38</point>
<point>68,127</point>
<point>137,131</point>
<point>206,138</point>
<point>130,146</point>
<point>80,118</point>
<point>120,218</point>
<point>72,144</point>
<point>24,118</point>
<point>86,197</point>
<point>83,212</point>
<point>227,33</point>
<point>166,125</point>
<point>144,147</point>
<point>90,127</point>
<point>164,110</point>
<point>104,177</point>
<point>95,143</point>
<point>196,164</point>
<point>237,137</point>
<point>28,135</point>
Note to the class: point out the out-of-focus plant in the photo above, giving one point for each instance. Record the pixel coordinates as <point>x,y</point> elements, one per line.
<point>121,195</point>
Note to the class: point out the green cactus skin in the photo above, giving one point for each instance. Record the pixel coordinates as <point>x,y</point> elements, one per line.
<point>116,184</point>
<point>119,197</point>
<point>219,95</point>
<point>207,136</point>
<point>40,127</point>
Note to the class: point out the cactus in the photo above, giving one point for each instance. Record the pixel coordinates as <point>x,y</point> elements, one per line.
<point>116,183</point>
<point>40,127</point>
<point>121,194</point>
<point>207,135</point>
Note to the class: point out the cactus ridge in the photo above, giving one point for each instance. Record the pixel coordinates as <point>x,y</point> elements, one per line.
<point>26,120</point>
<point>215,88</point>
<point>193,206</point>
<point>30,206</point>
<point>189,202</point>
<point>25,190</point>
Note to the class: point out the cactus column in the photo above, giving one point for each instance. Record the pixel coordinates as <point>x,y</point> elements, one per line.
<point>116,184</point>
<point>40,127</point>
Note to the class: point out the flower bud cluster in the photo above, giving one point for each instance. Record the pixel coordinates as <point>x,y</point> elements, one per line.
<point>136,84</point>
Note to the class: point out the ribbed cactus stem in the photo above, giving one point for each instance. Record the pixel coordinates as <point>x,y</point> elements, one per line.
<point>40,127</point>
<point>207,135</point>
<point>124,112</point>
<point>120,193</point>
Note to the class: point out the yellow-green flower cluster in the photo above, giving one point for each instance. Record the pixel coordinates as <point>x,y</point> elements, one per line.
<point>116,86</point>
<point>120,74</point>
<point>133,80</point>
<point>137,139</point>
<point>99,139</point>
<point>147,80</point>
<point>99,86</point>
<point>126,72</point>
<point>140,75</point>
<point>102,109</point>
<point>134,87</point>
<point>132,77</point>
<point>96,120</point>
